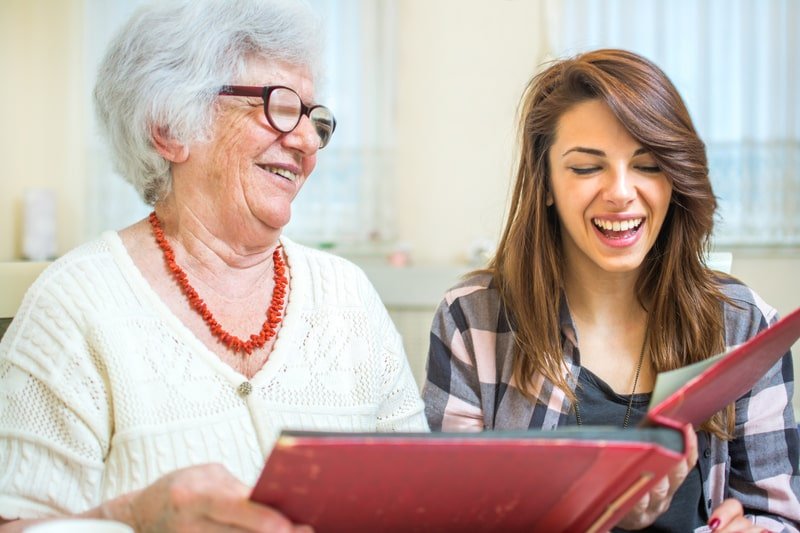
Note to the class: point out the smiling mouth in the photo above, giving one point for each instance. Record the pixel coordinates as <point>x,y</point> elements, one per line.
<point>618,229</point>
<point>282,172</point>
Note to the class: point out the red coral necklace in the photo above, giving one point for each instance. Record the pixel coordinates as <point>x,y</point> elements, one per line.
<point>274,312</point>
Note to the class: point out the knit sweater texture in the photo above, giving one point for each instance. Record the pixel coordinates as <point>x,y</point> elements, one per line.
<point>103,389</point>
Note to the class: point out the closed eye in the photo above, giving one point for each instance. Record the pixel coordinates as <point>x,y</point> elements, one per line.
<point>582,171</point>
<point>649,169</point>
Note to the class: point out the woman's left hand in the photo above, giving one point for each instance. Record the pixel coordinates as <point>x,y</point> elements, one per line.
<point>729,518</point>
<point>657,501</point>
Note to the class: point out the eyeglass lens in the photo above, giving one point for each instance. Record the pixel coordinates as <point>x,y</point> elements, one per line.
<point>284,110</point>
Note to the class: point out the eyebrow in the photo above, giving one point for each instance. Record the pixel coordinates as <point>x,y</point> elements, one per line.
<point>594,151</point>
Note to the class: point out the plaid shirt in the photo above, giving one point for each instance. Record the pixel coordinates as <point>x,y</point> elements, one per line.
<point>469,387</point>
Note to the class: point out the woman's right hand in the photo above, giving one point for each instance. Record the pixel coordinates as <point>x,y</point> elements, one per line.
<point>203,498</point>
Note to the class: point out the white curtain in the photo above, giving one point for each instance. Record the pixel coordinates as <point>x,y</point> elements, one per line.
<point>111,202</point>
<point>737,66</point>
<point>345,198</point>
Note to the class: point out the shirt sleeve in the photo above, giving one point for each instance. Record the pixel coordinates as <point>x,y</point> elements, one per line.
<point>764,455</point>
<point>764,459</point>
<point>401,407</point>
<point>451,391</point>
<point>54,414</point>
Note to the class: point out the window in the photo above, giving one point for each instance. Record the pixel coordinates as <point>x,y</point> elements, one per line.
<point>345,199</point>
<point>111,202</point>
<point>736,64</point>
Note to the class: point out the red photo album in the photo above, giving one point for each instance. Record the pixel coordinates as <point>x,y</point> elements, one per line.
<point>576,479</point>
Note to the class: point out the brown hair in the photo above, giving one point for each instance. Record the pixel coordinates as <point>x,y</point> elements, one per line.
<point>683,300</point>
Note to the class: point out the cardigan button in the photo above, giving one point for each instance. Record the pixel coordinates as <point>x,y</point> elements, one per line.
<point>707,453</point>
<point>244,389</point>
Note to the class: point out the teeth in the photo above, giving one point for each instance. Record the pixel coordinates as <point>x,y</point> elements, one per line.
<point>617,225</point>
<point>291,176</point>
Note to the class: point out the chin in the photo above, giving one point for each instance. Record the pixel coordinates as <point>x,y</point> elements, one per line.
<point>621,267</point>
<point>276,219</point>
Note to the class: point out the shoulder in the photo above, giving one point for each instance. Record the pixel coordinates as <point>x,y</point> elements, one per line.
<point>63,302</point>
<point>85,281</point>
<point>475,303</point>
<point>320,263</point>
<point>317,259</point>
<point>79,270</point>
<point>476,287</point>
<point>746,313</point>
<point>324,276</point>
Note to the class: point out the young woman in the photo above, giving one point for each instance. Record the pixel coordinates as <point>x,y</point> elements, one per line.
<point>599,283</point>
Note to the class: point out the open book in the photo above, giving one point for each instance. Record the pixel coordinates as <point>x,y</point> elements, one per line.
<point>576,479</point>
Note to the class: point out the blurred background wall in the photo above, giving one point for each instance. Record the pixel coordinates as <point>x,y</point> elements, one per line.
<point>460,68</point>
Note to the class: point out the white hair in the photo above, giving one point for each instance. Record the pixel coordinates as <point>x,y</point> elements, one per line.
<point>166,65</point>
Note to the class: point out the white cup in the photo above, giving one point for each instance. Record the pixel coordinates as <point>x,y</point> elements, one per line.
<point>77,525</point>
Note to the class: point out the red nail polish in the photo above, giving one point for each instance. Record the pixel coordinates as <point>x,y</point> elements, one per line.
<point>713,523</point>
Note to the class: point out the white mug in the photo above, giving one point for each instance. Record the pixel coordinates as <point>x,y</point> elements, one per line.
<point>77,525</point>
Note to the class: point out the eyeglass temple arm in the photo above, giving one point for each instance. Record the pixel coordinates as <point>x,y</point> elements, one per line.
<point>242,90</point>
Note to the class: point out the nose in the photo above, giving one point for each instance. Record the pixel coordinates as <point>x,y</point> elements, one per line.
<point>303,137</point>
<point>619,188</point>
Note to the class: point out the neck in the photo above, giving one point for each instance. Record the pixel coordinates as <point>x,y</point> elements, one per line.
<point>232,341</point>
<point>212,251</point>
<point>604,300</point>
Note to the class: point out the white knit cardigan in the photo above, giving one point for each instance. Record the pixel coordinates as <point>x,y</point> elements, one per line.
<point>103,390</point>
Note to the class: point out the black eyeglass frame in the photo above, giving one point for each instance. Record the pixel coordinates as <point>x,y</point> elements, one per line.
<point>264,93</point>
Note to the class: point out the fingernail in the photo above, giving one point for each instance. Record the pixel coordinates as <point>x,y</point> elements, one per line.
<point>713,523</point>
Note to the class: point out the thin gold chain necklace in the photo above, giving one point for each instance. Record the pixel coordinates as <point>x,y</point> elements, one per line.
<point>630,401</point>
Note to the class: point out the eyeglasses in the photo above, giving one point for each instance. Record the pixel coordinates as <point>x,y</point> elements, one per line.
<point>284,109</point>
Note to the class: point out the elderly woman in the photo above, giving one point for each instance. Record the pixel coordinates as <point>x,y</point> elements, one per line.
<point>148,373</point>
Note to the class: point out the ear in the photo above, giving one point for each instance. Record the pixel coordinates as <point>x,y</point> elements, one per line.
<point>548,199</point>
<point>170,149</point>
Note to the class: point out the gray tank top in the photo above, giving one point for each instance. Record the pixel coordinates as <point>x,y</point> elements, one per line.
<point>601,406</point>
